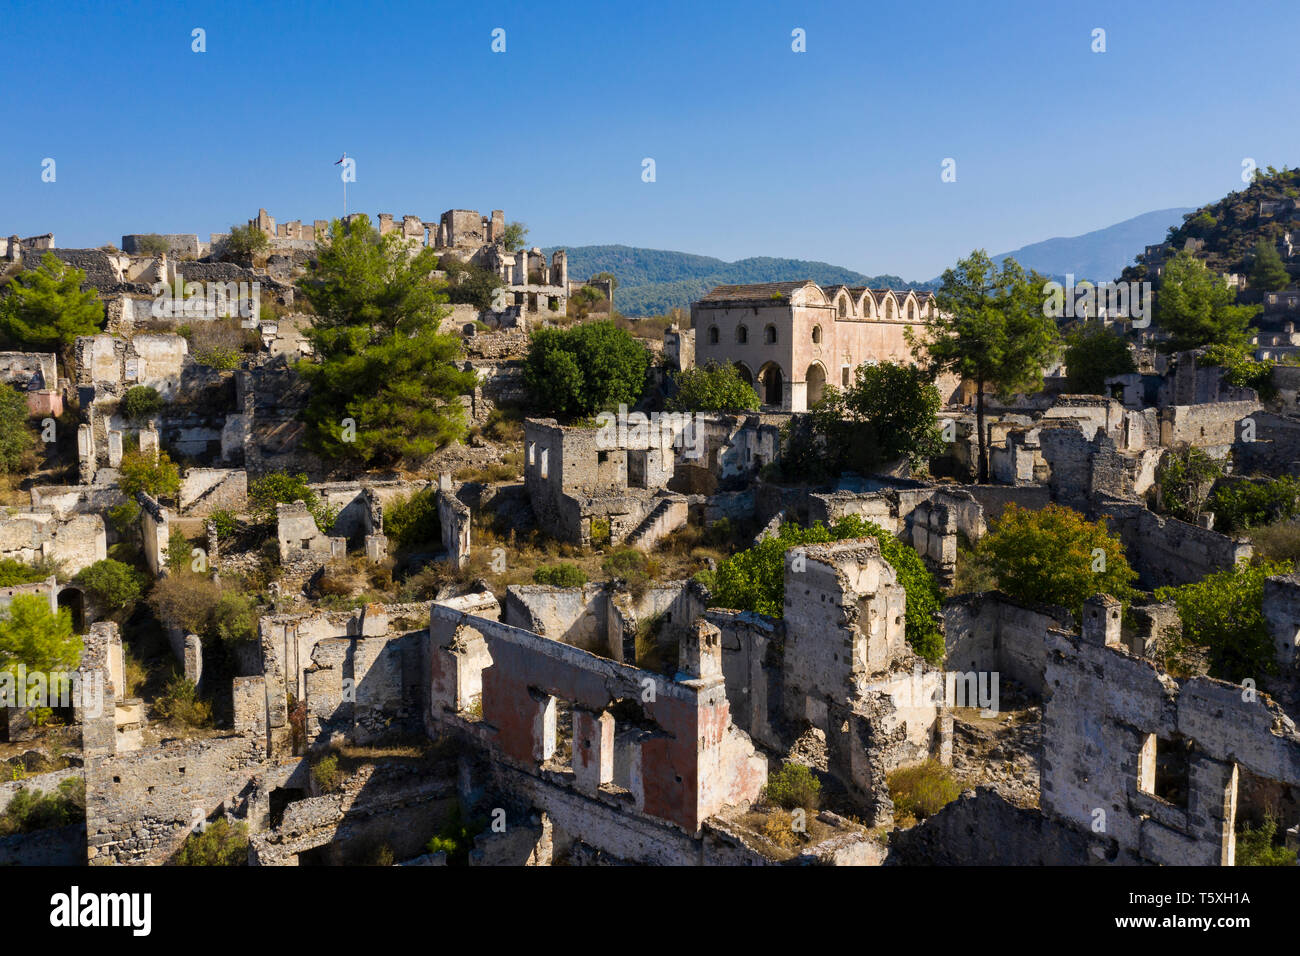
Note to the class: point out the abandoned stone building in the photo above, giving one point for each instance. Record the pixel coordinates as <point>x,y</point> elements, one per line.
<point>789,339</point>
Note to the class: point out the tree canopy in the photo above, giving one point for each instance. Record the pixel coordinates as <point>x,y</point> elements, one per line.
<point>1093,354</point>
<point>585,369</point>
<point>1267,272</point>
<point>1196,307</point>
<point>45,307</point>
<point>889,412</point>
<point>384,383</point>
<point>17,440</point>
<point>33,635</point>
<point>712,388</point>
<point>990,329</point>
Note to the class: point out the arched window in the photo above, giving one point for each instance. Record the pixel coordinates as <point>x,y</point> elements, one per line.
<point>911,310</point>
<point>817,335</point>
<point>769,335</point>
<point>844,307</point>
<point>889,308</point>
<point>742,334</point>
<point>713,335</point>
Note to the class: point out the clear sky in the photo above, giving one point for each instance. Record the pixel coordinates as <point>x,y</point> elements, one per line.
<point>831,154</point>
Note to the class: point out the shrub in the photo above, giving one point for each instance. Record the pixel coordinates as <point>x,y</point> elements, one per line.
<point>1186,476</point>
<point>221,359</point>
<point>754,580</point>
<point>155,477</point>
<point>1241,505</point>
<point>562,575</point>
<point>600,532</point>
<point>457,836</point>
<point>586,369</point>
<point>31,810</point>
<point>125,518</point>
<point>247,241</point>
<point>778,829</point>
<point>17,440</point>
<point>112,583</point>
<point>712,388</point>
<point>220,844</point>
<point>13,571</point>
<point>1255,846</point>
<point>1277,542</point>
<point>279,488</point>
<point>624,563</point>
<point>151,245</point>
<point>1224,613</point>
<point>180,704</point>
<point>141,401</point>
<point>922,790</point>
<point>1051,556</point>
<point>794,785</point>
<point>198,605</point>
<point>412,522</point>
<point>179,551</point>
<point>225,522</point>
<point>326,774</point>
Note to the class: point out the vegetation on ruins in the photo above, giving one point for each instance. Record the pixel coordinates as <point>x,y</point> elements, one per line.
<point>1242,505</point>
<point>245,242</point>
<point>31,810</point>
<point>141,401</point>
<point>151,245</point>
<point>198,605</point>
<point>560,575</point>
<point>13,571</point>
<point>33,635</point>
<point>754,580</point>
<point>412,521</point>
<point>921,790</point>
<point>991,330</point>
<point>1187,475</point>
<point>515,235</point>
<point>45,307</point>
<point>279,488</point>
<point>585,369</point>
<point>1196,307</point>
<point>794,785</point>
<point>1255,846</point>
<point>1267,271</point>
<point>384,383</point>
<point>180,704</point>
<point>470,284</point>
<point>1240,368</point>
<point>326,775</point>
<point>140,471</point>
<point>18,442</point>
<point>1054,556</point>
<point>220,843</point>
<point>583,302</point>
<point>1224,614</point>
<point>1093,353</point>
<point>889,412</point>
<point>115,585</point>
<point>711,388</point>
<point>457,836</point>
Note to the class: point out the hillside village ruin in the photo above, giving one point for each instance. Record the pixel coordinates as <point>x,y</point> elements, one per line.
<point>632,720</point>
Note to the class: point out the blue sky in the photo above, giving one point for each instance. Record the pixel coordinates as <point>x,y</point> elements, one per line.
<point>832,154</point>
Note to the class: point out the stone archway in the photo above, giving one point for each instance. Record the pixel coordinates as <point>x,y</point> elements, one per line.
<point>816,379</point>
<point>772,382</point>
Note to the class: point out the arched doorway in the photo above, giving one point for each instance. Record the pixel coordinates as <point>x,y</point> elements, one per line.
<point>816,379</point>
<point>773,384</point>
<point>72,599</point>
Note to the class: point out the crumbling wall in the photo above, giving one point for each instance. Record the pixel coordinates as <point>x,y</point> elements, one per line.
<point>992,633</point>
<point>1166,551</point>
<point>78,540</point>
<point>205,490</point>
<point>302,543</point>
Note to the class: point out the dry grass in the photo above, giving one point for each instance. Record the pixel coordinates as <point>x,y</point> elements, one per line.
<point>922,791</point>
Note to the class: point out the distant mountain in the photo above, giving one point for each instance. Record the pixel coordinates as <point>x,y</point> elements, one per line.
<point>1099,255</point>
<point>652,281</point>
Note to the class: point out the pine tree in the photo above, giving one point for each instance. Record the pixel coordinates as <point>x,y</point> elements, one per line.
<point>47,309</point>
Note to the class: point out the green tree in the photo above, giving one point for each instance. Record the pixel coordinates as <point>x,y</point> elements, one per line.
<point>1055,556</point>
<point>754,580</point>
<point>514,237</point>
<point>245,242</point>
<point>1268,272</point>
<point>585,369</point>
<point>33,635</point>
<point>1093,354</point>
<point>711,388</point>
<point>991,330</point>
<point>384,383</point>
<point>221,843</point>
<point>1187,474</point>
<point>141,401</point>
<point>115,585</point>
<point>47,309</point>
<point>1195,307</point>
<point>157,477</point>
<point>889,412</point>
<point>1224,613</point>
<point>18,442</point>
<point>279,488</point>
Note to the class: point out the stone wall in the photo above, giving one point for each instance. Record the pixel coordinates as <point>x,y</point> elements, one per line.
<point>1166,551</point>
<point>991,632</point>
<point>78,540</point>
